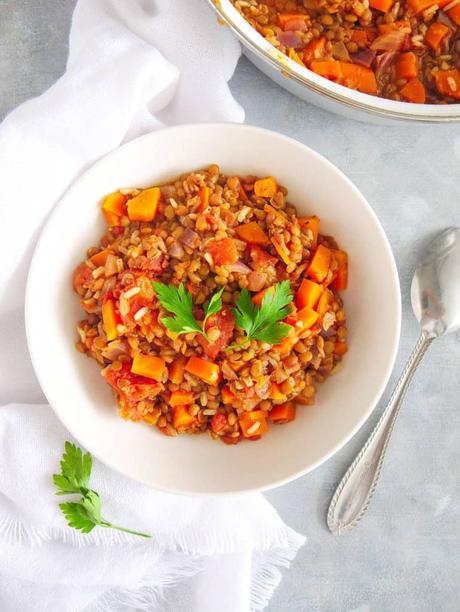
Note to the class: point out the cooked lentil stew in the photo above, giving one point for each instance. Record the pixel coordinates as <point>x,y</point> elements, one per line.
<point>396,49</point>
<point>211,305</point>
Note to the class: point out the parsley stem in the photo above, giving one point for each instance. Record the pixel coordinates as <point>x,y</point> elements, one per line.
<point>110,526</point>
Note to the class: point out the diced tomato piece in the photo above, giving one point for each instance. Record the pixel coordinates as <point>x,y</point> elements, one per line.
<point>82,277</point>
<point>261,258</point>
<point>218,422</point>
<point>224,322</point>
<point>223,252</point>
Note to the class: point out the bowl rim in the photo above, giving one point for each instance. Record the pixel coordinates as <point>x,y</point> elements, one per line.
<point>372,105</point>
<point>30,322</point>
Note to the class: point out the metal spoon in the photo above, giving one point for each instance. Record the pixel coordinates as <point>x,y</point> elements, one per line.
<point>435,297</point>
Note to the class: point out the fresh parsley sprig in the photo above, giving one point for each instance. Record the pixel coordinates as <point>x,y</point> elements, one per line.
<point>178,301</point>
<point>84,514</point>
<point>263,323</point>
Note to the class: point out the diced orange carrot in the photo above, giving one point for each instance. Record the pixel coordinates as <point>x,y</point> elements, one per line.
<point>176,371</point>
<point>109,319</point>
<point>435,34</point>
<point>143,207</point>
<point>284,347</point>
<point>207,371</point>
<point>266,187</point>
<point>381,5</point>
<point>282,413</point>
<point>285,18</point>
<point>448,83</point>
<point>258,297</point>
<point>204,193</point>
<point>418,6</point>
<point>227,395</point>
<point>315,50</point>
<point>413,91</point>
<point>340,281</point>
<point>181,398</point>
<point>324,301</point>
<point>292,53</point>
<point>152,417</point>
<point>100,258</point>
<point>252,232</point>
<point>275,394</point>
<point>282,250</point>
<point>407,66</point>
<point>182,419</point>
<point>385,28</point>
<point>223,251</point>
<point>319,265</point>
<point>308,294</point>
<point>311,223</point>
<point>358,77</point>
<point>307,317</point>
<point>114,207</point>
<point>340,348</point>
<point>253,423</point>
<point>149,366</point>
<point>345,73</point>
<point>359,36</point>
<point>454,14</point>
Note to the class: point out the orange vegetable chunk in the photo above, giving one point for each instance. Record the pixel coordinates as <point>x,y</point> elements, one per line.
<point>100,258</point>
<point>315,50</point>
<point>324,301</point>
<point>223,251</point>
<point>340,282</point>
<point>227,395</point>
<point>436,34</point>
<point>109,319</point>
<point>284,347</point>
<point>252,232</point>
<point>307,317</point>
<point>381,5</point>
<point>311,223</point>
<point>149,366</point>
<point>253,423</point>
<point>448,83</point>
<point>265,187</point>
<point>413,91</point>
<point>345,73</point>
<point>143,207</point>
<point>285,18</point>
<point>258,297</point>
<point>275,393</point>
<point>207,371</point>
<point>308,294</point>
<point>407,66</point>
<point>176,371</point>
<point>114,207</point>
<point>181,398</point>
<point>454,14</point>
<point>181,418</point>
<point>319,265</point>
<point>282,413</point>
<point>204,193</point>
<point>282,251</point>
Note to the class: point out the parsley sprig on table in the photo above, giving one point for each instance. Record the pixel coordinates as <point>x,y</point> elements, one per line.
<point>84,514</point>
<point>178,301</point>
<point>263,323</point>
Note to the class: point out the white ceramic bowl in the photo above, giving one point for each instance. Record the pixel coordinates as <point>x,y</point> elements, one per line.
<point>196,464</point>
<point>319,91</point>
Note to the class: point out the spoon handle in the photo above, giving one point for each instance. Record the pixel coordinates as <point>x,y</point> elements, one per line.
<point>354,493</point>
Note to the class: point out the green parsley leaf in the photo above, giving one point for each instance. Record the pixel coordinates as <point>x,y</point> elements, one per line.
<point>178,301</point>
<point>84,514</point>
<point>262,323</point>
<point>75,470</point>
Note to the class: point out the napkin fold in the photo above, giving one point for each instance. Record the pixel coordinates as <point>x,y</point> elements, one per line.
<point>133,67</point>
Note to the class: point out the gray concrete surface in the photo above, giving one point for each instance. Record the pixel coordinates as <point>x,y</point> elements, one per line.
<point>406,553</point>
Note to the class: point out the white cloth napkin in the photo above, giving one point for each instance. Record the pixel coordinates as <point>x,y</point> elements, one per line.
<point>133,66</point>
